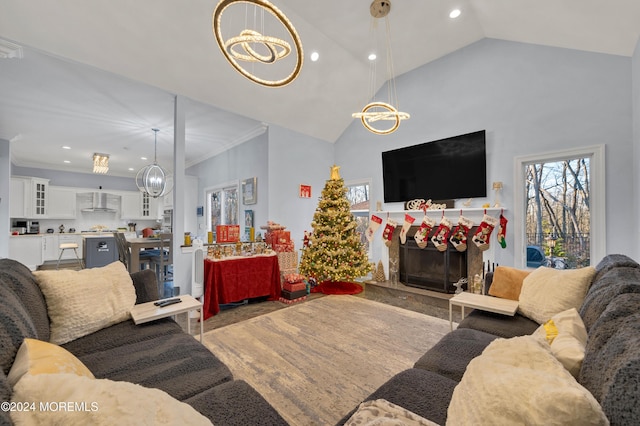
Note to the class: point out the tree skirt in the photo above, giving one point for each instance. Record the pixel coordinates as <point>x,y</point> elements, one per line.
<point>337,287</point>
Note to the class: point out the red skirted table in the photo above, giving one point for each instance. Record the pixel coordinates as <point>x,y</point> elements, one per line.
<point>237,279</point>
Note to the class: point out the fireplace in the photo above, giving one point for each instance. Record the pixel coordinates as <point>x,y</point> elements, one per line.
<point>431,269</point>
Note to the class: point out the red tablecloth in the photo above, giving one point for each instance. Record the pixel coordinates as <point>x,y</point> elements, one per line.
<point>234,280</point>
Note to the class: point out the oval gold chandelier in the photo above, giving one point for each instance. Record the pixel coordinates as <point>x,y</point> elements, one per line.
<point>380,111</point>
<point>253,47</point>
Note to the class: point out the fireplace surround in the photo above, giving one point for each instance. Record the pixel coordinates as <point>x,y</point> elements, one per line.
<point>431,269</point>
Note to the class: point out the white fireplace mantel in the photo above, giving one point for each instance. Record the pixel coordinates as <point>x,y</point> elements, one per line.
<point>472,213</point>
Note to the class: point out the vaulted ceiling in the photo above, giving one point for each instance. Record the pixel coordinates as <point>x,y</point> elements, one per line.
<point>97,75</point>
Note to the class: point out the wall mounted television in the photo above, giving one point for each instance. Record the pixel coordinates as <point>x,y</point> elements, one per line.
<point>450,168</point>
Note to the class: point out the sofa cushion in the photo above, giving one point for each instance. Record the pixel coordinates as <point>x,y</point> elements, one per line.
<point>98,402</point>
<point>381,412</point>
<point>17,277</point>
<point>498,325</point>
<point>611,365</point>
<point>16,324</point>
<point>235,403</point>
<point>450,356</point>
<point>567,337</point>
<point>5,395</point>
<point>519,381</point>
<point>420,391</point>
<point>81,302</point>
<point>38,357</point>
<point>175,363</point>
<point>547,291</point>
<point>507,282</point>
<point>608,286</point>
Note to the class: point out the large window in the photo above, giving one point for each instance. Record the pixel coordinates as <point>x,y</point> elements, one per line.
<point>563,216</point>
<point>358,196</point>
<point>222,205</point>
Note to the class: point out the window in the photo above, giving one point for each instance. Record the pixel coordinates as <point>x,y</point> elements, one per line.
<point>358,196</point>
<point>222,205</point>
<point>561,196</point>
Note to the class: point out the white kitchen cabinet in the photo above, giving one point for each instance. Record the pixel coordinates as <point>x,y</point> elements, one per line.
<point>26,249</point>
<point>62,203</point>
<point>138,206</point>
<point>30,196</point>
<point>49,247</point>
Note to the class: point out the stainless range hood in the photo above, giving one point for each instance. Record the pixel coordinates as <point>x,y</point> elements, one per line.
<point>99,203</point>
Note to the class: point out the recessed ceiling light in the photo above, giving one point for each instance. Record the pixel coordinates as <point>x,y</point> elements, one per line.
<point>372,56</point>
<point>454,13</point>
<point>314,56</point>
<point>131,169</point>
<point>66,147</point>
<point>143,158</point>
<point>67,161</point>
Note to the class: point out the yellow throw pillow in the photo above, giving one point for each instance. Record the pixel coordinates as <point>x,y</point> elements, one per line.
<point>507,282</point>
<point>546,291</point>
<point>567,336</point>
<point>82,302</point>
<point>38,357</point>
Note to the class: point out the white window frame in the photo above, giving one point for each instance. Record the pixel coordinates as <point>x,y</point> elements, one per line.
<point>597,206</point>
<point>207,193</point>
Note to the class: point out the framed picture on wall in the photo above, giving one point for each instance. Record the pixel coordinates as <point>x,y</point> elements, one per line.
<point>248,218</point>
<point>305,191</point>
<point>250,191</point>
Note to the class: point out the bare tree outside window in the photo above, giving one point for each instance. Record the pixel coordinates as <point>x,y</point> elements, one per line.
<point>558,215</point>
<point>358,196</point>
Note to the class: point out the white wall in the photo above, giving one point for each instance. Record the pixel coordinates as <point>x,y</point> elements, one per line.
<point>635,68</point>
<point>530,99</point>
<point>5,181</point>
<point>296,159</point>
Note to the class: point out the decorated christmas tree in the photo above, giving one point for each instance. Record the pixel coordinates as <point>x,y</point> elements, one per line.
<point>335,252</point>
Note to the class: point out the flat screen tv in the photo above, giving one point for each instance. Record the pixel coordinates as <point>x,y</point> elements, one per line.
<point>444,169</point>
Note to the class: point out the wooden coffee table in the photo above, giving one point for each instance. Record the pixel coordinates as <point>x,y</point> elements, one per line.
<point>482,302</point>
<point>146,312</point>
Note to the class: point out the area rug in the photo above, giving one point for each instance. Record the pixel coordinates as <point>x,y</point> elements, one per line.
<point>337,287</point>
<point>316,361</point>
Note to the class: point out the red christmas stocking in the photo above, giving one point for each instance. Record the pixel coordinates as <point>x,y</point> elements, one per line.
<point>483,233</point>
<point>439,239</point>
<point>460,232</point>
<point>388,232</point>
<point>408,221</point>
<point>502,231</point>
<point>425,227</point>
<point>374,224</point>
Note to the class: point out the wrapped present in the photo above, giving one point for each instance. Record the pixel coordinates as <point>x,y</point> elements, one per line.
<point>288,301</point>
<point>287,260</point>
<point>281,236</point>
<point>293,287</point>
<point>293,278</point>
<point>288,271</point>
<point>290,295</point>
<point>283,247</point>
<point>227,233</point>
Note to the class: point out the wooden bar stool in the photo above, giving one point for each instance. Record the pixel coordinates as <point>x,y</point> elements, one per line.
<point>68,246</point>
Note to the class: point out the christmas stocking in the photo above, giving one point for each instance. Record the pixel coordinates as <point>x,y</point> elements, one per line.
<point>374,224</point>
<point>439,239</point>
<point>425,227</point>
<point>388,232</point>
<point>460,232</point>
<point>502,231</point>
<point>408,221</point>
<point>483,233</point>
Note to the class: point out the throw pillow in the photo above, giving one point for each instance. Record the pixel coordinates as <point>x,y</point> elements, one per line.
<point>81,302</point>
<point>507,282</point>
<point>519,381</point>
<point>79,400</point>
<point>380,412</point>
<point>566,334</point>
<point>38,357</point>
<point>547,291</point>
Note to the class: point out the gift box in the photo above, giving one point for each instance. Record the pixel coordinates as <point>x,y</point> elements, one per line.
<point>288,301</point>
<point>288,270</point>
<point>287,260</point>
<point>293,278</point>
<point>293,287</point>
<point>227,233</point>
<point>290,295</point>
<point>283,247</point>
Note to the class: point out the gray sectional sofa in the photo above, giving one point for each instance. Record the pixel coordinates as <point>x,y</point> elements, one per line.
<point>610,370</point>
<point>158,354</point>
